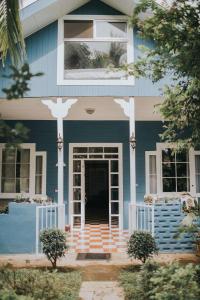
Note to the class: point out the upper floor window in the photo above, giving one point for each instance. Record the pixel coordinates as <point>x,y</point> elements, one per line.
<point>93,50</point>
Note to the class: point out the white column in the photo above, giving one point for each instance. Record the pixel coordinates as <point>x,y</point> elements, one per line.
<point>129,110</point>
<point>59,110</point>
<point>132,151</point>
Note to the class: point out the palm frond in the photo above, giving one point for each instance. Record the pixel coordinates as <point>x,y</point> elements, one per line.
<point>11,37</point>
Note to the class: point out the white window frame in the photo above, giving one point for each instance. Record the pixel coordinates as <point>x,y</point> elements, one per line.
<point>158,152</point>
<point>31,194</point>
<point>60,50</point>
<point>147,174</point>
<point>44,170</point>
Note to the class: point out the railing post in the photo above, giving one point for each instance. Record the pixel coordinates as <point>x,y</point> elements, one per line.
<point>37,231</point>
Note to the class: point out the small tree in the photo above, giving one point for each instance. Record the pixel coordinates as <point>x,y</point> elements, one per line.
<point>53,244</point>
<point>141,245</point>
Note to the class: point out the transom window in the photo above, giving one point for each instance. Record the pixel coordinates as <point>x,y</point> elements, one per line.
<point>95,50</point>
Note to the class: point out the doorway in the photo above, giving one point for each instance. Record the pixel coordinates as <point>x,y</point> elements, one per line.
<point>95,184</point>
<point>96,192</point>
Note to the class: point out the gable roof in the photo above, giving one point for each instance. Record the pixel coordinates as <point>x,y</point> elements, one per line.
<point>40,13</point>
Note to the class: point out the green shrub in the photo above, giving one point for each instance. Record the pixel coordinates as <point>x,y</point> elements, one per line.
<point>10,295</point>
<point>43,285</point>
<point>53,244</point>
<point>141,245</point>
<point>137,284</point>
<point>172,282</point>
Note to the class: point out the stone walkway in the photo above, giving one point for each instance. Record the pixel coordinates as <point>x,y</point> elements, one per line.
<point>101,290</point>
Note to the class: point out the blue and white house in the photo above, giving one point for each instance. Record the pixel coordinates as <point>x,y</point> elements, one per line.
<point>94,141</point>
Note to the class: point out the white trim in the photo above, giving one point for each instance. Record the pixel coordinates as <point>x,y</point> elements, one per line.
<point>44,170</point>
<point>60,50</point>
<point>70,172</point>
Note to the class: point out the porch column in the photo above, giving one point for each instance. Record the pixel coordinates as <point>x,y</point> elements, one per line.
<point>129,110</point>
<point>59,110</point>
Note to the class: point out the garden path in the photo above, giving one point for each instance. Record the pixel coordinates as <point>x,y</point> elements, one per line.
<point>101,290</point>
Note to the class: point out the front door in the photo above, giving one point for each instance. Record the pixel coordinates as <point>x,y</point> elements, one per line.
<point>96,191</point>
<point>95,184</point>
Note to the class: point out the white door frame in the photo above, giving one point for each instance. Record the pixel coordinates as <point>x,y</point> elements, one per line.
<point>120,160</point>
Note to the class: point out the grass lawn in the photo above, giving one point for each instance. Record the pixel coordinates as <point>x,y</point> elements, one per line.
<point>32,284</point>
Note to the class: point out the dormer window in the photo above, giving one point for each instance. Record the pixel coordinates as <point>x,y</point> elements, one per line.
<point>92,51</point>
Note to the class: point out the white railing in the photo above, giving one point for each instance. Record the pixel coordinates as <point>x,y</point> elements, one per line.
<point>141,217</point>
<point>48,217</point>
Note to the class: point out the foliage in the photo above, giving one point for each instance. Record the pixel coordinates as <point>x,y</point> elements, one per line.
<point>175,32</point>
<point>36,284</point>
<point>11,38</point>
<point>141,245</point>
<point>21,77</point>
<point>171,282</point>
<point>53,244</point>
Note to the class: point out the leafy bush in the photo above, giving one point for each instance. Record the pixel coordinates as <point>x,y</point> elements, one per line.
<point>141,245</point>
<point>53,244</point>
<point>36,284</point>
<point>137,284</point>
<point>172,282</point>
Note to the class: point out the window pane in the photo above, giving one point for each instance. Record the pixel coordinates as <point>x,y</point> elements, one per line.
<point>169,185</point>
<point>8,170</point>
<point>80,150</point>
<point>114,194</point>
<point>77,221</point>
<point>8,185</point>
<point>91,60</point>
<point>152,164</point>
<point>78,29</point>
<point>96,149</point>
<point>77,180</point>
<point>114,166</point>
<point>114,221</point>
<point>183,185</point>
<point>153,184</point>
<point>77,166</point>
<point>38,184</point>
<point>39,160</point>
<point>182,156</point>
<point>114,180</point>
<point>111,29</point>
<point>168,155</point>
<point>182,170</point>
<point>168,170</point>
<point>77,194</point>
<point>114,208</point>
<point>24,155</point>
<point>8,156</point>
<point>22,185</point>
<point>77,208</point>
<point>110,150</point>
<point>24,171</point>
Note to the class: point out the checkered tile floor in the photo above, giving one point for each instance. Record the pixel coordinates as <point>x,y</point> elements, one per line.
<point>97,238</point>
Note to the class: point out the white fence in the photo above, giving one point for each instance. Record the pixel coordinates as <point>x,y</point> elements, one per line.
<point>141,217</point>
<point>48,217</point>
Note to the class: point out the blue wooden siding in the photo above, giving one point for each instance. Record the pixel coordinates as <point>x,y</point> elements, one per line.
<point>42,56</point>
<point>43,133</point>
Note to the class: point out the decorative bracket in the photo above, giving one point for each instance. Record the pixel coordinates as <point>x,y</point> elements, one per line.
<point>124,105</point>
<point>59,109</point>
